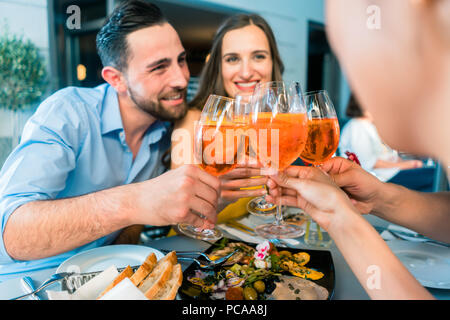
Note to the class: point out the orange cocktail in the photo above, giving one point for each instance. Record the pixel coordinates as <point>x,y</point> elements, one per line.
<point>219,148</point>
<point>323,140</point>
<point>280,138</point>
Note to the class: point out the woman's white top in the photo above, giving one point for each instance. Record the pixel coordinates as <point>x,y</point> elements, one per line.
<point>361,137</point>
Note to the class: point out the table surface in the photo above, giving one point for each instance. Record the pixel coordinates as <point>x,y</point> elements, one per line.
<point>347,286</point>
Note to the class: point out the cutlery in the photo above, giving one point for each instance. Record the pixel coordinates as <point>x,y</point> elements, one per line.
<point>70,281</point>
<point>209,264</point>
<point>233,223</point>
<point>416,237</point>
<point>240,228</point>
<point>181,253</point>
<point>28,286</point>
<point>57,277</point>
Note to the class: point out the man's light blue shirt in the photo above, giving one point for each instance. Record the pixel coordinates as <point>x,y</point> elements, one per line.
<point>74,144</point>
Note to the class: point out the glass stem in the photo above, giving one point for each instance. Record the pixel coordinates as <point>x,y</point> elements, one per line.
<point>308,224</point>
<point>319,231</point>
<point>279,214</point>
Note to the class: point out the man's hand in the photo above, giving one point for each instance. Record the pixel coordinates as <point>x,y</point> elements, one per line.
<point>183,195</point>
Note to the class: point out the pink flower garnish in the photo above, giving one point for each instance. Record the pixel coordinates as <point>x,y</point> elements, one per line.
<point>262,250</point>
<point>260,255</point>
<point>263,247</point>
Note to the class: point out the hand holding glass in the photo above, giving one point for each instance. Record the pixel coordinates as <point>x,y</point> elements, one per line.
<point>215,149</point>
<point>322,143</point>
<point>279,123</point>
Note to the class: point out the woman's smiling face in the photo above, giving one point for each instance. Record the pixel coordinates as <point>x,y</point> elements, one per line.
<point>246,60</point>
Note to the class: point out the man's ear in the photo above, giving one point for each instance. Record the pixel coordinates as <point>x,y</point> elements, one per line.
<point>115,78</point>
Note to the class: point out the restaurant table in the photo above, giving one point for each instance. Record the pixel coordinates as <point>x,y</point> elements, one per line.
<point>347,286</point>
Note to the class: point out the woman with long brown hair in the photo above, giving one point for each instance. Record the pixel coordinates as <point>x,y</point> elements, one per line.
<point>243,53</point>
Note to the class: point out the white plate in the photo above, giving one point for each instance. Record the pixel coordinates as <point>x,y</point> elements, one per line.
<point>429,263</point>
<point>101,258</point>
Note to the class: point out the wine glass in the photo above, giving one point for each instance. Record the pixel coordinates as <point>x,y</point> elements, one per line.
<point>257,206</point>
<point>279,121</point>
<point>215,150</point>
<point>322,143</point>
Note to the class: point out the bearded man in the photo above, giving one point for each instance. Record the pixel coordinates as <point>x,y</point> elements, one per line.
<point>89,163</point>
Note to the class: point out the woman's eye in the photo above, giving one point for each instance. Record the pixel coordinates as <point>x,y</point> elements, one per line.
<point>231,59</point>
<point>260,57</point>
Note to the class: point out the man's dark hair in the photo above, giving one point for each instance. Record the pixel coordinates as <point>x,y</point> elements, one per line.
<point>127,17</point>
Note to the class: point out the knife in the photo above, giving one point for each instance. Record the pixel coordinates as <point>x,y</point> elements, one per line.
<point>28,286</point>
<point>416,238</point>
<point>240,226</point>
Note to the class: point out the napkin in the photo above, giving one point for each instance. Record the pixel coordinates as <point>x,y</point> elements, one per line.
<point>252,239</point>
<point>241,235</point>
<point>124,290</point>
<point>253,221</point>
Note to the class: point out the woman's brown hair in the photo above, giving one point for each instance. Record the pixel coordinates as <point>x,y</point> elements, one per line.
<point>211,79</point>
<point>353,108</point>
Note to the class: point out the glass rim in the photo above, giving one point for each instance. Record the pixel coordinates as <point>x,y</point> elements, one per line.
<point>284,82</point>
<point>315,92</point>
<point>215,96</point>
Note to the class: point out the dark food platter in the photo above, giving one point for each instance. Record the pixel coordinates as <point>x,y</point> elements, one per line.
<point>320,260</point>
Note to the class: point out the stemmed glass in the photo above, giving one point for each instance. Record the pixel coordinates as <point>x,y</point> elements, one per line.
<point>257,206</point>
<point>322,143</point>
<point>279,123</point>
<point>215,149</point>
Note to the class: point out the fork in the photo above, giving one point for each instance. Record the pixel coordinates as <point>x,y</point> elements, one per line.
<point>53,279</point>
<point>211,263</point>
<point>198,253</point>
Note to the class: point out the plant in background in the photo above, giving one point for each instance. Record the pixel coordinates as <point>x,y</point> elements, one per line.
<point>23,76</point>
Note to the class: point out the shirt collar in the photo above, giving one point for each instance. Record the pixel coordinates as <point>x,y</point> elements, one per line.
<point>157,130</point>
<point>112,120</point>
<point>110,116</point>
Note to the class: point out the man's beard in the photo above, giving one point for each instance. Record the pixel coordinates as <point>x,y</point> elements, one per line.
<point>157,110</point>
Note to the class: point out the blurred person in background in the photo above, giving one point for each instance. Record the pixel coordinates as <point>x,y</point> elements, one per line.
<point>360,136</point>
<point>417,54</point>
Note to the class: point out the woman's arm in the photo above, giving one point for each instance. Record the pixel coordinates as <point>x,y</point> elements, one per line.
<point>401,164</point>
<point>426,213</point>
<point>378,270</point>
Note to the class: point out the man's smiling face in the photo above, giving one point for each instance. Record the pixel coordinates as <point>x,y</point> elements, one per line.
<point>157,74</point>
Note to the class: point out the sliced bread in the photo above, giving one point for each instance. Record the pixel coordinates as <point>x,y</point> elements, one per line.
<point>144,270</point>
<point>171,256</point>
<point>169,290</point>
<point>157,279</point>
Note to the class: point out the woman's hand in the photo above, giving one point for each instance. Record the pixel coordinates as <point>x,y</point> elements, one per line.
<point>234,183</point>
<point>364,189</point>
<point>359,243</point>
<point>313,191</point>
